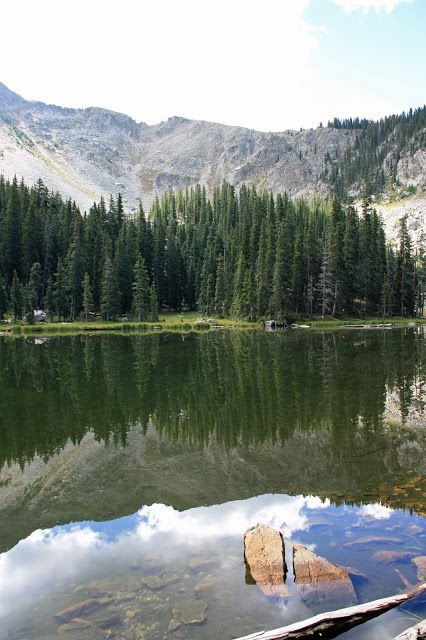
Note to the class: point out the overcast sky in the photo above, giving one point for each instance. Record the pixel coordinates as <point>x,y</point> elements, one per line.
<point>264,64</point>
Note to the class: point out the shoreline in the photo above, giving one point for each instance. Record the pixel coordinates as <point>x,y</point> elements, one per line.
<point>174,323</point>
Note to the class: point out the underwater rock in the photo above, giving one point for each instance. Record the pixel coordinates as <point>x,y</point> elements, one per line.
<point>318,580</point>
<point>149,564</point>
<point>366,541</point>
<point>78,609</point>
<point>198,564</point>
<point>111,620</point>
<point>264,554</point>
<point>388,557</point>
<point>188,612</point>
<point>205,585</point>
<point>420,562</point>
<point>76,624</point>
<point>153,583</point>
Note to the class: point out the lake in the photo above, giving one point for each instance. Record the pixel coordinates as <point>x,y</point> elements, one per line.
<point>131,465</point>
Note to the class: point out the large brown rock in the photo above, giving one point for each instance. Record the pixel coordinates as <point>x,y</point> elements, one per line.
<point>319,581</point>
<point>264,554</point>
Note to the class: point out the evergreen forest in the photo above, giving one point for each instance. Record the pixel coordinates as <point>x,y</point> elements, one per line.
<point>371,162</point>
<point>246,253</point>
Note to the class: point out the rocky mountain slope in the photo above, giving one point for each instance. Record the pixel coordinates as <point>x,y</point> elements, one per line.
<point>87,153</point>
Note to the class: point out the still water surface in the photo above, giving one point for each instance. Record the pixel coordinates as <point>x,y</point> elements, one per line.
<point>130,467</point>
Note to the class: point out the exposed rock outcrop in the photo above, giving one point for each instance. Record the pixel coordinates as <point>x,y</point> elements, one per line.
<point>265,556</point>
<point>320,581</point>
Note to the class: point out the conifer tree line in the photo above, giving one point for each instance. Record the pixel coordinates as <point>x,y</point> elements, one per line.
<point>247,254</point>
<point>373,159</point>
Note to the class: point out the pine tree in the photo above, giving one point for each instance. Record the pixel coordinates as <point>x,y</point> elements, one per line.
<point>153,312</point>
<point>76,259</point>
<point>12,234</point>
<point>17,302</point>
<point>3,297</point>
<point>35,286</point>
<point>405,276</point>
<point>50,302</point>
<point>87,297</point>
<point>61,291</point>
<point>325,286</point>
<point>142,294</point>
<point>110,296</point>
<point>220,288</point>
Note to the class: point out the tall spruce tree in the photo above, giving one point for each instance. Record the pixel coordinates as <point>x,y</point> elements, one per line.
<point>35,285</point>
<point>88,305</point>
<point>142,301</point>
<point>110,296</point>
<point>17,298</point>
<point>3,297</point>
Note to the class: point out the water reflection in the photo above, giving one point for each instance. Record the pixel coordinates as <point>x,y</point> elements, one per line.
<point>93,426</point>
<point>237,388</point>
<point>136,574</point>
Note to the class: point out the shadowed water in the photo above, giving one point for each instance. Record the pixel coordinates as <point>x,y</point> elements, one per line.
<point>94,427</point>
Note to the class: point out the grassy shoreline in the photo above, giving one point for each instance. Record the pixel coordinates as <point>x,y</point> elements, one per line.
<point>187,322</point>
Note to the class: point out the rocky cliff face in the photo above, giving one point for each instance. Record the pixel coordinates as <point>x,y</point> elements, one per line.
<point>88,153</point>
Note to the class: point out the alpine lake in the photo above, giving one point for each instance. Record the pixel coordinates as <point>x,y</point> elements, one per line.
<point>132,465</point>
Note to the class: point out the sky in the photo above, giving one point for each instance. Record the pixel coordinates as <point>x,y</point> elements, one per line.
<point>264,64</point>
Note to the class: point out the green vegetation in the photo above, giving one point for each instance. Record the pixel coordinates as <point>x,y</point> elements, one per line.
<point>372,161</point>
<point>191,322</point>
<point>247,255</point>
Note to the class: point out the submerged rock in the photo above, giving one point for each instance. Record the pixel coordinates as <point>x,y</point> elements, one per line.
<point>85,606</point>
<point>76,624</point>
<point>264,554</point>
<point>388,557</point>
<point>206,584</point>
<point>320,581</point>
<point>420,562</point>
<point>366,541</point>
<point>188,612</point>
<point>153,583</point>
<point>199,564</point>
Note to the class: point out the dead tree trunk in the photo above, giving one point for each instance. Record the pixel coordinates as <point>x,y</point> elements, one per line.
<point>330,625</point>
<point>413,633</point>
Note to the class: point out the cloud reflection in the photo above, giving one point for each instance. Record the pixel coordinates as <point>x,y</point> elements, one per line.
<point>49,559</point>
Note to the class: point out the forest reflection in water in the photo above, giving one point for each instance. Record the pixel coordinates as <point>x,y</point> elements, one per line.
<point>234,388</point>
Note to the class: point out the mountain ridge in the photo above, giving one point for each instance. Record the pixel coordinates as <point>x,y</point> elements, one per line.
<point>92,152</point>
<point>109,152</point>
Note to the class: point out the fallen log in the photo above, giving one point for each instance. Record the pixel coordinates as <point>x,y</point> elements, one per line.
<point>331,624</point>
<point>413,633</point>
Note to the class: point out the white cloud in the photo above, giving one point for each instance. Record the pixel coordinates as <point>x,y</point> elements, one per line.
<point>45,557</point>
<point>366,5</point>
<point>376,511</point>
<point>230,519</point>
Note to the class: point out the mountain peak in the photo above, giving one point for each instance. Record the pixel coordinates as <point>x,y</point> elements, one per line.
<point>8,97</point>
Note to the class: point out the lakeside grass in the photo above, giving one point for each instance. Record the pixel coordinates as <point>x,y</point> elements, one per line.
<point>178,322</point>
<point>341,323</point>
<point>189,322</point>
